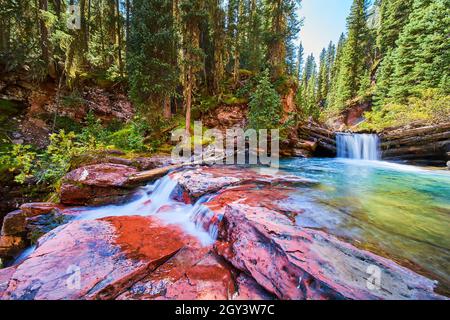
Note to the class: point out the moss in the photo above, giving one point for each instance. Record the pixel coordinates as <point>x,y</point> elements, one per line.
<point>67,124</point>
<point>232,100</point>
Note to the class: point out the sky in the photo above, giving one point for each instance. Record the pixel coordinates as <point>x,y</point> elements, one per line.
<point>324,20</point>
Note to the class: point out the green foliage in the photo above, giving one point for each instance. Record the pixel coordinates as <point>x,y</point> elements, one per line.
<point>422,57</point>
<point>20,159</point>
<point>54,163</point>
<point>429,106</point>
<point>131,137</point>
<point>265,105</point>
<point>355,54</point>
<point>152,54</point>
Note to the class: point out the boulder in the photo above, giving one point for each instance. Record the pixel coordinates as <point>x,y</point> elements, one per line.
<point>95,259</point>
<point>28,224</point>
<point>299,263</point>
<point>11,245</point>
<point>96,184</point>
<point>5,276</point>
<point>249,289</point>
<point>38,208</point>
<point>14,223</point>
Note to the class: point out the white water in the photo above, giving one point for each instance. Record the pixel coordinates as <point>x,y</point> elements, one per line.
<point>358,146</point>
<point>156,200</point>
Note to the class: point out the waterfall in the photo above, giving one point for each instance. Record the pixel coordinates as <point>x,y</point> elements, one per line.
<point>358,146</point>
<point>157,200</point>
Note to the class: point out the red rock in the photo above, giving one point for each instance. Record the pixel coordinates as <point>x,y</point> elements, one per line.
<point>204,180</point>
<point>299,263</point>
<point>111,255</point>
<point>14,223</point>
<point>5,276</point>
<point>100,175</point>
<point>207,280</point>
<point>156,283</point>
<point>249,289</point>
<point>11,245</point>
<point>38,208</point>
<point>96,184</point>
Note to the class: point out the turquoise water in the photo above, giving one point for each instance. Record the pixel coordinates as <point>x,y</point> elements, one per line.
<point>397,211</point>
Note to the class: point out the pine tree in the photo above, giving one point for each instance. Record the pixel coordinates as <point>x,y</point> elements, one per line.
<point>300,62</point>
<point>152,54</point>
<point>265,105</point>
<point>354,55</point>
<point>322,81</point>
<point>331,99</point>
<point>192,13</point>
<point>394,15</point>
<point>423,55</point>
<point>284,25</point>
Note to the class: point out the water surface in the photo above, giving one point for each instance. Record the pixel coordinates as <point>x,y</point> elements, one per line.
<point>398,211</point>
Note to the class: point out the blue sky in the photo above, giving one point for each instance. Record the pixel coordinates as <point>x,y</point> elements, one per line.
<point>324,20</point>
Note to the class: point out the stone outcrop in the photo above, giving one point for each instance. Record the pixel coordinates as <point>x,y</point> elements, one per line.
<point>260,251</point>
<point>203,180</point>
<point>27,224</point>
<point>96,184</point>
<point>123,258</point>
<point>294,263</point>
<point>258,235</point>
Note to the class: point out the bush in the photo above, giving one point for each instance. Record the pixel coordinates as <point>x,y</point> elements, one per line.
<point>429,106</point>
<point>19,160</point>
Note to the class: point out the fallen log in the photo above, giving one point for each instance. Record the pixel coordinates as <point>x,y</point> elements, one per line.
<point>327,146</point>
<point>414,132</point>
<point>322,131</point>
<point>416,140</point>
<point>433,147</point>
<point>149,175</point>
<point>322,138</point>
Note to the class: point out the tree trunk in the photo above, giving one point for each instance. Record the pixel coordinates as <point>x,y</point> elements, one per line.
<point>188,99</point>
<point>102,37</point>
<point>88,22</point>
<point>45,50</point>
<point>119,38</point>
<point>167,111</point>
<point>236,55</point>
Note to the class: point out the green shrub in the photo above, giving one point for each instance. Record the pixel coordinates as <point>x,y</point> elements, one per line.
<point>20,159</point>
<point>429,106</point>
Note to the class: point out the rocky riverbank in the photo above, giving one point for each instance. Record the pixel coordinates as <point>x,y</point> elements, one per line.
<point>258,252</point>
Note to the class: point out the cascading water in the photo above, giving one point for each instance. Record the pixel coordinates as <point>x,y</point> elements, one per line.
<point>358,146</point>
<point>157,200</point>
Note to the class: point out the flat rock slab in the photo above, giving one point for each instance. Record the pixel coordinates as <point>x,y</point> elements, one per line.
<point>95,259</point>
<point>205,180</point>
<point>299,263</point>
<point>96,184</point>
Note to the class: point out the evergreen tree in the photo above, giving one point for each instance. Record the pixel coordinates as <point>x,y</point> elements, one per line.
<point>394,15</point>
<point>265,105</point>
<point>322,81</point>
<point>354,56</point>
<point>283,27</point>
<point>422,58</point>
<point>152,54</point>
<point>192,13</point>
<point>300,61</point>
